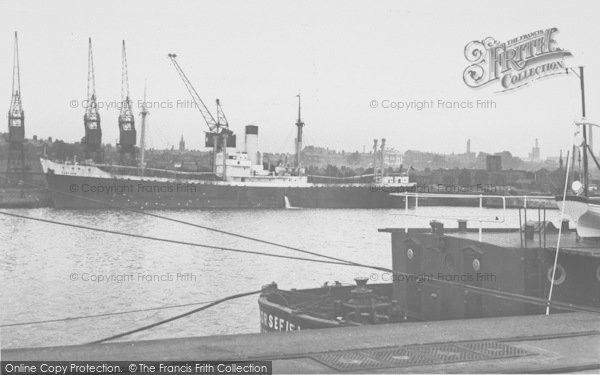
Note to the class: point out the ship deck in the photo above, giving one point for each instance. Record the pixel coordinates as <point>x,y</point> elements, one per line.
<point>513,238</point>
<point>521,344</point>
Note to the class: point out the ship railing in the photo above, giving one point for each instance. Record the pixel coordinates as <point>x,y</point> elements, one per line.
<point>480,197</point>
<point>168,172</point>
<point>366,178</point>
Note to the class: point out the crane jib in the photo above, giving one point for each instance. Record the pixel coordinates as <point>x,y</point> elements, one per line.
<point>213,125</point>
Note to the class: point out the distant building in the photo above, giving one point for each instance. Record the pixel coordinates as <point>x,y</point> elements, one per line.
<point>181,144</point>
<point>468,146</point>
<point>493,163</point>
<point>393,158</point>
<point>534,155</point>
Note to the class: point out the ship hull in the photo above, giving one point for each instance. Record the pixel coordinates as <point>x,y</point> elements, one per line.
<point>585,212</point>
<point>277,318</point>
<point>80,192</point>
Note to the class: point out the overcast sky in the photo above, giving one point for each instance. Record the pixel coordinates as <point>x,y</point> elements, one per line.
<point>256,55</point>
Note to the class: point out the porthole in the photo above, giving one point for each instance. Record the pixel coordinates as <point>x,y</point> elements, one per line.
<point>449,261</point>
<point>476,265</point>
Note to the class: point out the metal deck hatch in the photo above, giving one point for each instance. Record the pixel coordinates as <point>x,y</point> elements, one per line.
<point>418,355</point>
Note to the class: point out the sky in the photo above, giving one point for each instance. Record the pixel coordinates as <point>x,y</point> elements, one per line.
<point>340,55</point>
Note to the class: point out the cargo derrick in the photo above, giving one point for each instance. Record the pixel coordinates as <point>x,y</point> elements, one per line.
<point>218,136</point>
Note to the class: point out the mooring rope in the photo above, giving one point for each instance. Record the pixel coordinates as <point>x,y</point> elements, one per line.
<point>222,248</point>
<point>235,296</point>
<point>68,319</point>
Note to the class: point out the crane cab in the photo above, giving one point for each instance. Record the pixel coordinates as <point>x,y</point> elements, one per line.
<point>127,134</point>
<point>211,138</point>
<point>93,133</point>
<point>16,126</point>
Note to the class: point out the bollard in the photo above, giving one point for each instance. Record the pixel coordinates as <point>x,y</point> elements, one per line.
<point>437,228</point>
<point>529,231</point>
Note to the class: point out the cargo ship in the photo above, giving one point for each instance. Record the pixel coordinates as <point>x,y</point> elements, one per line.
<point>246,185</point>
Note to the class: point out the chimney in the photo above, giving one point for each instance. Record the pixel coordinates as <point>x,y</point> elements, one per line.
<point>251,143</point>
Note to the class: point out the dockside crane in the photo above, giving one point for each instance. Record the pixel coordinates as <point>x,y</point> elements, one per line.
<point>127,132</point>
<point>92,141</point>
<point>221,119</point>
<point>219,137</point>
<point>16,123</point>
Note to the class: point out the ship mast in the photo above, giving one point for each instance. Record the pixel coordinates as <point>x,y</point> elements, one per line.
<point>144,113</point>
<point>585,151</point>
<point>375,141</point>
<point>222,123</point>
<point>299,125</point>
<point>382,158</point>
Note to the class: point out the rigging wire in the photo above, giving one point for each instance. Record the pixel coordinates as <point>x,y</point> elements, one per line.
<point>101,315</point>
<point>562,213</point>
<point>166,239</point>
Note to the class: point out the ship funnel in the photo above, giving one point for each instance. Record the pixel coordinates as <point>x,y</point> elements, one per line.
<point>251,141</point>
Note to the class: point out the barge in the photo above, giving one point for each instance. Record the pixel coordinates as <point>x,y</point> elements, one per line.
<point>443,273</point>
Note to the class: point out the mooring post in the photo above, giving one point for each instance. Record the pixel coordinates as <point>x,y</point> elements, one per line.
<point>481,215</point>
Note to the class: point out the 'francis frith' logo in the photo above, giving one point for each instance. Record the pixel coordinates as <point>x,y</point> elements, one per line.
<point>515,63</point>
